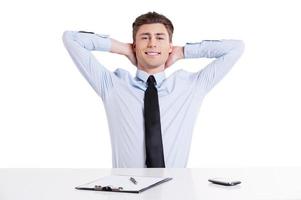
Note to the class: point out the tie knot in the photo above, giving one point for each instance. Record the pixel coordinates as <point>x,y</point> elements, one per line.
<point>151,80</point>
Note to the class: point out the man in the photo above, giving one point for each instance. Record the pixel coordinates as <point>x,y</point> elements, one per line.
<point>151,117</point>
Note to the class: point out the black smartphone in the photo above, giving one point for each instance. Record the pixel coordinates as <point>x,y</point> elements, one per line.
<point>223,181</point>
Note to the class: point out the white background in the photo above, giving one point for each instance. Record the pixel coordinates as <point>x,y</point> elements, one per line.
<point>51,117</point>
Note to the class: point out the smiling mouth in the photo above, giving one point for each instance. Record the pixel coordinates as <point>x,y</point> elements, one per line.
<point>152,53</point>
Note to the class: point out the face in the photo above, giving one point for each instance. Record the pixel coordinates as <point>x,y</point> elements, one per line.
<point>152,46</point>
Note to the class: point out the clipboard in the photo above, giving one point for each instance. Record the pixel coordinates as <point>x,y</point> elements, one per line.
<point>123,183</point>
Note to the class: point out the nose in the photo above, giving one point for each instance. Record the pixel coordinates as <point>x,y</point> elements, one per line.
<point>152,42</point>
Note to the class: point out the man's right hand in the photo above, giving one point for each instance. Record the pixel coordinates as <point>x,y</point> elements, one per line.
<point>131,55</point>
<point>125,49</point>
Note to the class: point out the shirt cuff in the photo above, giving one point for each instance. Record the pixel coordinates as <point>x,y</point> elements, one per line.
<point>104,42</point>
<point>93,41</point>
<point>198,49</point>
<point>191,50</point>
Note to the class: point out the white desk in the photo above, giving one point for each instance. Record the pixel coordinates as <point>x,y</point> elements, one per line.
<point>188,184</point>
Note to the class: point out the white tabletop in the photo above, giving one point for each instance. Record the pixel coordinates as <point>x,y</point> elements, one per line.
<point>187,184</point>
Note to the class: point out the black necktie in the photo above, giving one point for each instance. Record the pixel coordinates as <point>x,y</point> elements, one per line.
<point>153,137</point>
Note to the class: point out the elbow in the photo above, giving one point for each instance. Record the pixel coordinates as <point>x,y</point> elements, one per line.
<point>67,36</point>
<point>240,46</point>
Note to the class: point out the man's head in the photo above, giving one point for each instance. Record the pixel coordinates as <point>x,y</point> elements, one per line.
<point>152,41</point>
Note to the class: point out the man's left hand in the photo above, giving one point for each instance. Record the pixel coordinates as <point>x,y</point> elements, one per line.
<point>176,54</point>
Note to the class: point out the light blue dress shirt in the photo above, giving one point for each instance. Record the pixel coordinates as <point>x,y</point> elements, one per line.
<point>180,96</point>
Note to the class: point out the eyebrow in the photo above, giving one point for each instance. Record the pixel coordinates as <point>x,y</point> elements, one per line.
<point>151,34</point>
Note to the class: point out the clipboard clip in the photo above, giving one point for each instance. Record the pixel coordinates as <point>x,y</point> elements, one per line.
<point>107,188</point>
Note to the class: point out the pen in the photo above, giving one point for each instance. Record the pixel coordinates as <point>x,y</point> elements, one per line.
<point>133,180</point>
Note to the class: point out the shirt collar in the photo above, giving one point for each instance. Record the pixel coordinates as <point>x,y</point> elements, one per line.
<point>142,75</point>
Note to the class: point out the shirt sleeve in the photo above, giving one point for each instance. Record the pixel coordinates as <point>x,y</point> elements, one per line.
<point>79,45</point>
<point>225,52</point>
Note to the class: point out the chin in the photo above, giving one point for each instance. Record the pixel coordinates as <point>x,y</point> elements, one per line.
<point>151,64</point>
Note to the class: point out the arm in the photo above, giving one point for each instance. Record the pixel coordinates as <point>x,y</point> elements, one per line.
<point>225,52</point>
<point>79,46</point>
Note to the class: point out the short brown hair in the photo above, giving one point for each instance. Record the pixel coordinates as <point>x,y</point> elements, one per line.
<point>151,18</point>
